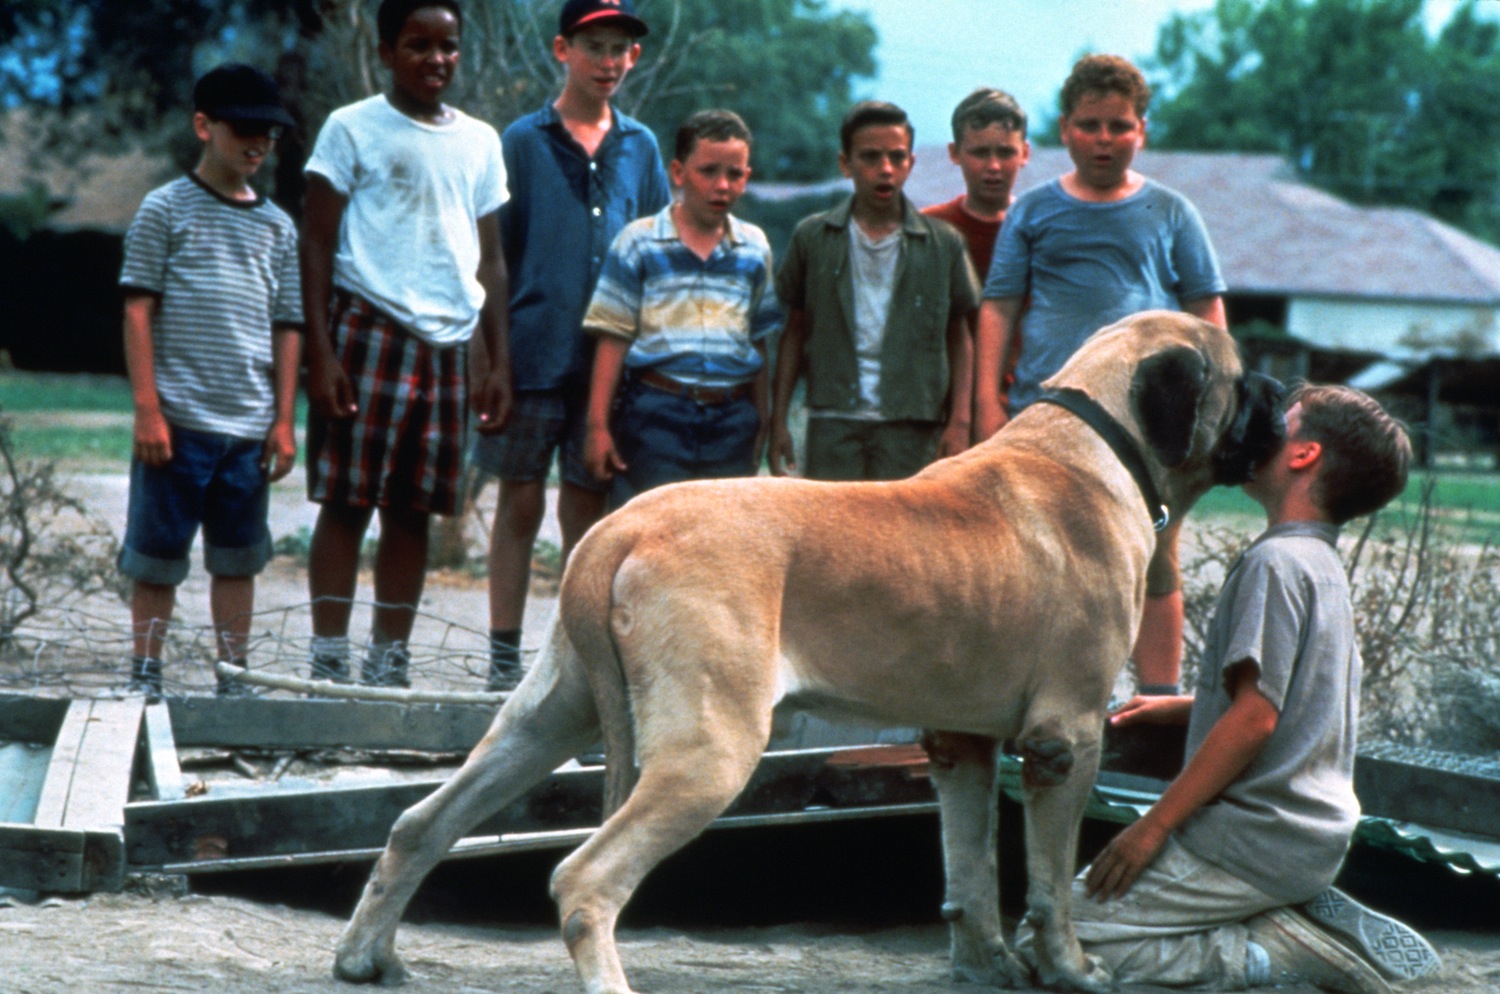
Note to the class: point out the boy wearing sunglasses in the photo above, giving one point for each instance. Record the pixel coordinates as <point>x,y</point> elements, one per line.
<point>213,316</point>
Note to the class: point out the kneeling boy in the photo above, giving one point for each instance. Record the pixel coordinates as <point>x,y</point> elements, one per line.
<point>1226,881</point>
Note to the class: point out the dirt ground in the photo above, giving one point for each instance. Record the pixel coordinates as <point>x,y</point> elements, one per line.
<point>126,943</point>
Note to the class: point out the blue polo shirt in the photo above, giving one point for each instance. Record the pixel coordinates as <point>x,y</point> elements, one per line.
<point>564,211</point>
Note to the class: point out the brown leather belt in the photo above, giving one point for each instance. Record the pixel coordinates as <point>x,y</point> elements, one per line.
<point>701,395</point>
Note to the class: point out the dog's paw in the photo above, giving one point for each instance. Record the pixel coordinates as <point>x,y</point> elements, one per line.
<point>1002,969</point>
<point>1093,977</point>
<point>367,968</point>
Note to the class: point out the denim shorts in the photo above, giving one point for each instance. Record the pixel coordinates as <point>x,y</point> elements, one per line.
<point>666,438</point>
<point>213,481</point>
<point>541,422</point>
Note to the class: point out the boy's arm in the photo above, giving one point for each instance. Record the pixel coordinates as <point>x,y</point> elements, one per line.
<point>328,388</point>
<point>492,390</point>
<point>599,454</point>
<point>993,335</point>
<point>788,370</point>
<point>960,387</point>
<point>152,441</point>
<point>1210,309</point>
<point>1234,741</point>
<point>279,453</point>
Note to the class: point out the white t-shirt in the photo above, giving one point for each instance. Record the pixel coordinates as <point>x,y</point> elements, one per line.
<point>874,266</point>
<point>408,242</point>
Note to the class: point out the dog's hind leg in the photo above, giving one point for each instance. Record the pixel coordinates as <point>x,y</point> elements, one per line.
<point>697,750</point>
<point>549,719</point>
<point>964,772</point>
<point>1059,761</point>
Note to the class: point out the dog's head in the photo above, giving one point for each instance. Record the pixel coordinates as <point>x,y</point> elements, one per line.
<point>1177,384</point>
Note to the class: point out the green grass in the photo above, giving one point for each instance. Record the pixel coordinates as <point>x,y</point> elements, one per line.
<point>28,392</point>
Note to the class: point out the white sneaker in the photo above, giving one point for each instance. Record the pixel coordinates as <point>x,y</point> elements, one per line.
<point>1398,951</point>
<point>1300,952</point>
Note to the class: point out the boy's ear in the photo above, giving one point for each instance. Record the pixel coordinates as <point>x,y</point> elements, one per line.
<point>953,152</point>
<point>676,171</point>
<point>200,125</point>
<point>560,46</point>
<point>844,165</point>
<point>1303,453</point>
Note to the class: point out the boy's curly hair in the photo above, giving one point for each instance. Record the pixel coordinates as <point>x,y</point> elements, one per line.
<point>987,106</point>
<point>1366,451</point>
<point>392,15</point>
<point>1105,74</point>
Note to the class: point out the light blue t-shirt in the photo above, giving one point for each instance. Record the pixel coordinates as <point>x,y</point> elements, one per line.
<point>1086,265</point>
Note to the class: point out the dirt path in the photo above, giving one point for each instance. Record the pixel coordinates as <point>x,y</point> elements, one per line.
<point>125,943</point>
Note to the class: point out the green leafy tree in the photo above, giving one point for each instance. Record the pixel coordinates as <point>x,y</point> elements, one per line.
<point>1354,92</point>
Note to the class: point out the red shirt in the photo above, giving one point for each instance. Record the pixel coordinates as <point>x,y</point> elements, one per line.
<point>980,236</point>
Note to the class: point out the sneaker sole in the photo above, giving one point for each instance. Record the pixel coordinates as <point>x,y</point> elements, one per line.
<point>1396,950</point>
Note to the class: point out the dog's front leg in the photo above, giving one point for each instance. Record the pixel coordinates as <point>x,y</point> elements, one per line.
<point>964,772</point>
<point>1058,772</point>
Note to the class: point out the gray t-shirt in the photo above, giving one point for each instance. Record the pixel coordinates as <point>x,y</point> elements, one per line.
<point>225,271</point>
<point>1085,265</point>
<point>1284,824</point>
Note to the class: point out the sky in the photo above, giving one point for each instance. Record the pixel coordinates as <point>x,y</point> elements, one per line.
<point>934,52</point>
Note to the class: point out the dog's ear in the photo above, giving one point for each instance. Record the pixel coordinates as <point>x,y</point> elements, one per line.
<point>1166,391</point>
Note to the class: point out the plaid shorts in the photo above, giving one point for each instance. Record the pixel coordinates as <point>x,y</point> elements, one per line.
<point>404,445</point>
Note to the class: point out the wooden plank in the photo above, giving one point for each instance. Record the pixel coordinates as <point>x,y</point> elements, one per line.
<point>1435,798</point>
<point>34,858</point>
<point>88,779</point>
<point>162,769</point>
<point>285,823</point>
<point>311,724</point>
<point>24,718</point>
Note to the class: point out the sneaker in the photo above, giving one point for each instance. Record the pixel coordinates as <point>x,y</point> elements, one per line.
<point>330,668</point>
<point>1396,950</point>
<point>504,677</point>
<point>390,671</point>
<point>145,677</point>
<point>1300,952</point>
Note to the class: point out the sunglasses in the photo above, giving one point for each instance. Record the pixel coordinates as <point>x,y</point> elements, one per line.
<point>253,129</point>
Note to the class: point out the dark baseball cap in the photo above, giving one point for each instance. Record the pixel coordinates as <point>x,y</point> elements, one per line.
<point>579,14</point>
<point>237,92</point>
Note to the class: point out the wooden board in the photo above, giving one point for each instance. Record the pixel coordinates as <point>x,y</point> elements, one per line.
<point>293,724</point>
<point>88,779</point>
<point>60,860</point>
<point>23,770</point>
<point>163,771</point>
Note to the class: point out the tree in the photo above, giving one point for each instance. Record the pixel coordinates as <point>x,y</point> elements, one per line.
<point>1353,92</point>
<point>788,66</point>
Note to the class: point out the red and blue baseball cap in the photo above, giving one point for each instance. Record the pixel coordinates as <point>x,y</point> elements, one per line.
<point>579,14</point>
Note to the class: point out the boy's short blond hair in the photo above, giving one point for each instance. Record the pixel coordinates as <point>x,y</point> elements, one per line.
<point>1366,451</point>
<point>1105,74</point>
<point>984,107</point>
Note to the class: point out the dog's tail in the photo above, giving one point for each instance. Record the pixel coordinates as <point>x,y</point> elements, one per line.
<point>587,603</point>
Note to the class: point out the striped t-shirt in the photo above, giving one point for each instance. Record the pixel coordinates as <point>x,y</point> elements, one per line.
<point>225,271</point>
<point>696,320</point>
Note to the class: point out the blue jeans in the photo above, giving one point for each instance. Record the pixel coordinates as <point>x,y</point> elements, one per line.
<point>213,481</point>
<point>664,438</point>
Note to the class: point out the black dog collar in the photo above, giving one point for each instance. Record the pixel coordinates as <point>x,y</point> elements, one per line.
<point>1123,445</point>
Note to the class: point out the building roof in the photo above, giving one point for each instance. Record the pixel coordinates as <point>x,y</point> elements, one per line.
<point>1277,235</point>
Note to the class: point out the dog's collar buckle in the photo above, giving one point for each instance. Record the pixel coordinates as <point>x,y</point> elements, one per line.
<point>1124,447</point>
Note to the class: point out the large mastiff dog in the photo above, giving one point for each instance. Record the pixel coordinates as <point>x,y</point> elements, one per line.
<point>994,595</point>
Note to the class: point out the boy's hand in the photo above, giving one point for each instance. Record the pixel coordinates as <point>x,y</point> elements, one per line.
<point>782,456</point>
<point>153,439</point>
<point>492,399</point>
<point>1141,710</point>
<point>1125,859</point>
<point>279,454</point>
<point>599,455</point>
<point>328,387</point>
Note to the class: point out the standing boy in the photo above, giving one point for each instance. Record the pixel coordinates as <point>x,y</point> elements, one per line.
<point>1225,881</point>
<point>683,309</point>
<point>579,171</point>
<point>401,261</point>
<point>877,297</point>
<point>212,340</point>
<point>989,148</point>
<point>1087,249</point>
